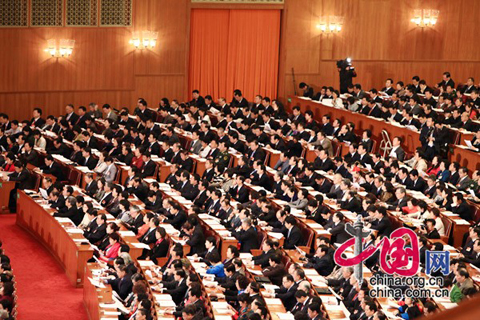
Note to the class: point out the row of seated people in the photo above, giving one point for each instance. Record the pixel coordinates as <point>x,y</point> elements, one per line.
<point>130,286</point>
<point>263,176</point>
<point>8,297</point>
<point>439,97</point>
<point>258,175</point>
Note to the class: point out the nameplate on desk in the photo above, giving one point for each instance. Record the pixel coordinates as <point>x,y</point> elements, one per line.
<point>141,245</point>
<point>74,231</point>
<point>273,301</point>
<point>126,233</point>
<point>146,263</point>
<point>276,235</point>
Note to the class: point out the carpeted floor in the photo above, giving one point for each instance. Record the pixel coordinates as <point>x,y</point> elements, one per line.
<point>43,289</point>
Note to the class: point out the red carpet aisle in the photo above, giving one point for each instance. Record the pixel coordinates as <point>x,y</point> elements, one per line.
<point>44,291</point>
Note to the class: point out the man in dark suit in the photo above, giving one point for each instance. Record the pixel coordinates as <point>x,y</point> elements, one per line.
<point>97,229</point>
<point>90,185</point>
<point>247,236</point>
<point>240,193</point>
<point>321,261</point>
<point>53,168</point>
<point>268,250</point>
<point>176,218</point>
<point>71,116</point>
<point>364,157</point>
<point>37,120</point>
<point>123,284</point>
<point>176,288</point>
<point>430,231</point>
<point>351,203</point>
<point>418,184</point>
<point>149,166</point>
<point>22,178</point>
<point>60,148</point>
<point>384,226</point>
<point>197,99</point>
<point>209,172</point>
<point>210,250</point>
<point>202,196</point>
<point>339,235</point>
<point>154,202</point>
<point>195,238</point>
<point>275,270</point>
<point>397,151</point>
<point>262,179</point>
<point>462,208</point>
<point>137,219</point>
<point>287,292</point>
<point>71,211</point>
<point>213,206</point>
<point>89,161</point>
<point>293,236</point>
<point>401,201</point>
<point>307,90</point>
<point>255,153</point>
<point>323,162</point>
<point>303,301</point>
<point>149,237</point>
<point>474,257</point>
<point>56,201</point>
<point>30,156</point>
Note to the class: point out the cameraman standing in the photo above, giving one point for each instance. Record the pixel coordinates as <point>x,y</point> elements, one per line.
<point>347,72</point>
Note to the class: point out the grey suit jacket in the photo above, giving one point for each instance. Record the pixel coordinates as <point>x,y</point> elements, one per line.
<point>196,147</point>
<point>326,145</point>
<point>110,173</point>
<point>299,203</point>
<point>113,115</point>
<point>464,184</point>
<point>283,166</point>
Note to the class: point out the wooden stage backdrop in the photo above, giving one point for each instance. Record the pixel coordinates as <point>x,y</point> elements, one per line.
<point>104,67</point>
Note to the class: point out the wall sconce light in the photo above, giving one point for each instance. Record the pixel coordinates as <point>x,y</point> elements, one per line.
<point>330,24</point>
<point>65,48</point>
<point>147,40</point>
<point>425,17</point>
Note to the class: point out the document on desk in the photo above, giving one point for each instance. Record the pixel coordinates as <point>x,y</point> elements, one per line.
<point>270,286</point>
<point>334,293</point>
<point>273,301</point>
<point>146,263</point>
<point>75,231</point>
<point>126,233</point>
<point>63,220</point>
<point>283,316</point>
<point>253,271</point>
<point>245,255</point>
<point>220,304</point>
<point>141,245</point>
<point>96,283</point>
<point>276,235</point>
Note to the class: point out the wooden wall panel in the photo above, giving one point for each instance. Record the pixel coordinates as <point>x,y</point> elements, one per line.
<point>154,88</point>
<point>104,67</point>
<point>381,40</point>
<point>377,34</point>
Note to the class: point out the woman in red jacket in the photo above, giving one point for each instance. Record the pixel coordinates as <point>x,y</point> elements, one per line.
<point>9,159</point>
<point>111,252</point>
<point>137,160</point>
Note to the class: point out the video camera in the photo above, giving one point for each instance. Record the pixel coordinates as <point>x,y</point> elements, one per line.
<point>343,64</point>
